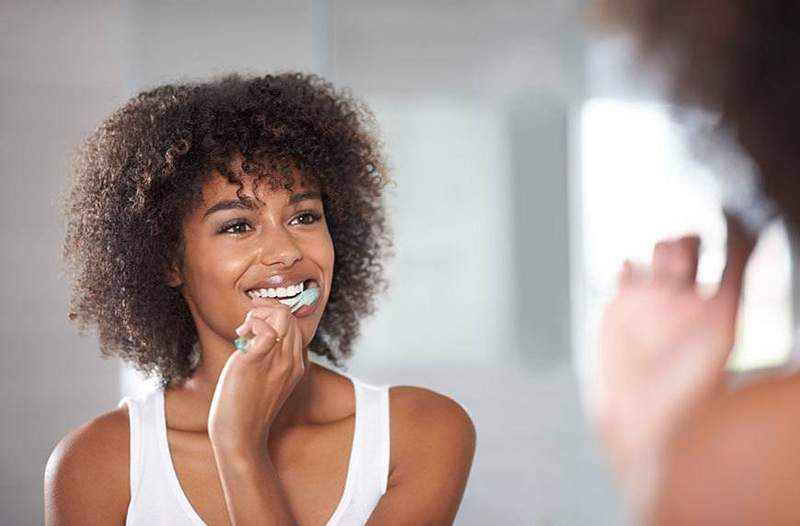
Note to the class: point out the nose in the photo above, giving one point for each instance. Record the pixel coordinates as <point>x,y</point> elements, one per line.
<point>279,248</point>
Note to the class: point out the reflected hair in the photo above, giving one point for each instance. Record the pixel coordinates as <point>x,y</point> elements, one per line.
<point>738,60</point>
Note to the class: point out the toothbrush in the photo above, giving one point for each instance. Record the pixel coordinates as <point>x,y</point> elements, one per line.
<point>307,297</point>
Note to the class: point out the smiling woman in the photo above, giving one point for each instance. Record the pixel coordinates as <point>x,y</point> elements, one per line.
<point>244,210</point>
<point>144,170</point>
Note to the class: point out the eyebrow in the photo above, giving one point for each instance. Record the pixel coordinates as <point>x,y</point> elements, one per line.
<point>296,198</point>
<point>248,204</point>
<point>242,204</point>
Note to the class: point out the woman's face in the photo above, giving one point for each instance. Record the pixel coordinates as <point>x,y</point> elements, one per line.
<point>237,250</point>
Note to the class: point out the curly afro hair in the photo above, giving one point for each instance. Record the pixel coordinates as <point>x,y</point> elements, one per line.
<point>141,172</point>
<point>736,58</point>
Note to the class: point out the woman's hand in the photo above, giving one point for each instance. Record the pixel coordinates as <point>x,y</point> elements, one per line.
<point>663,350</point>
<point>254,384</point>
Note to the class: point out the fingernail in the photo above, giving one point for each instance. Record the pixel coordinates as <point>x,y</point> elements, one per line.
<point>240,330</point>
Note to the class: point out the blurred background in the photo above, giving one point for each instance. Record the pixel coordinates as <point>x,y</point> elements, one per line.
<point>529,159</point>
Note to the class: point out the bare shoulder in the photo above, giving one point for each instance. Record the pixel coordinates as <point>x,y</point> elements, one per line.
<point>420,406</point>
<point>767,401</point>
<point>87,474</point>
<point>726,464</point>
<point>429,427</point>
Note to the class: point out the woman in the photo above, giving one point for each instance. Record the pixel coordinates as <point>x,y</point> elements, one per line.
<point>688,449</point>
<point>219,232</point>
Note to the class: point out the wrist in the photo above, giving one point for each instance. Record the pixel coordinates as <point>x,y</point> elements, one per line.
<point>241,460</point>
<point>244,449</point>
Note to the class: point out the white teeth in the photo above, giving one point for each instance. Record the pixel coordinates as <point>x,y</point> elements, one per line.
<point>280,292</point>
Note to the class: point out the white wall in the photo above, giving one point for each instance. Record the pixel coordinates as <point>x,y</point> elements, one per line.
<point>56,84</point>
<point>452,290</point>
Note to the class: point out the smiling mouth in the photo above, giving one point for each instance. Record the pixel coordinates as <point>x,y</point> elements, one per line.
<point>286,295</point>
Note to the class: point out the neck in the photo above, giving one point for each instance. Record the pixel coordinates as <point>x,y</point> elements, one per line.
<point>214,353</point>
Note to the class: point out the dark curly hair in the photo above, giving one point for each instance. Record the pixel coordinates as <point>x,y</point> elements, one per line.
<point>142,171</point>
<point>738,59</point>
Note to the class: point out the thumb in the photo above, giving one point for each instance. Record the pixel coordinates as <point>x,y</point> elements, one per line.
<point>740,244</point>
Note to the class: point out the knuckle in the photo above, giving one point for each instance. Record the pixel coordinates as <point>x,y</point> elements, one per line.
<point>262,328</point>
<point>282,314</point>
<point>254,314</point>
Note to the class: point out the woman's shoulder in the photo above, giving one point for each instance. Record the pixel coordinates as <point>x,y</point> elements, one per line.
<point>100,445</point>
<point>415,414</point>
<point>422,404</point>
<point>87,474</point>
<point>438,413</point>
<point>429,428</point>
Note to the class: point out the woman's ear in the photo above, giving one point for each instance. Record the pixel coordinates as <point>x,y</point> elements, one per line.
<point>174,277</point>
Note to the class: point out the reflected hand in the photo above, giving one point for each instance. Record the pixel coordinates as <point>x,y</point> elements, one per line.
<point>663,350</point>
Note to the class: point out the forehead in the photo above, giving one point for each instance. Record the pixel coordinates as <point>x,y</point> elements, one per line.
<point>217,186</point>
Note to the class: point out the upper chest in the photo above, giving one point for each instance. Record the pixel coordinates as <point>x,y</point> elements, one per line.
<point>311,463</point>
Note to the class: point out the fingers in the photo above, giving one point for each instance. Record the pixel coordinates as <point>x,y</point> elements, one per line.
<point>265,337</point>
<point>276,316</point>
<point>627,275</point>
<point>633,275</point>
<point>674,265</point>
<point>281,355</point>
<point>740,245</point>
<point>675,262</point>
<point>273,332</point>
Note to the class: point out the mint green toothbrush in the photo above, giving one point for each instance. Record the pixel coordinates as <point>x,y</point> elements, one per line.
<point>307,297</point>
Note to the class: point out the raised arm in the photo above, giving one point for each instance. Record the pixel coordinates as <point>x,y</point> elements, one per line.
<point>663,350</point>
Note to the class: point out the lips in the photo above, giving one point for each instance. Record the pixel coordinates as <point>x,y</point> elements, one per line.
<point>279,281</point>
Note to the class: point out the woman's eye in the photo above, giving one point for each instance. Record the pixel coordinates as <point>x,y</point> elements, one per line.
<point>239,227</point>
<point>306,218</point>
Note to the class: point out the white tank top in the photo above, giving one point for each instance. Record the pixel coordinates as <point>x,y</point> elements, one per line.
<point>156,494</point>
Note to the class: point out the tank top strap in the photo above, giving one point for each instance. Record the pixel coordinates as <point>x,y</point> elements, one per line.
<point>152,489</point>
<point>135,430</point>
<point>370,465</point>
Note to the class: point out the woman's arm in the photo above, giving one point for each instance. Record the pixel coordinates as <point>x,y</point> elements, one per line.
<point>433,443</point>
<point>251,390</point>
<point>87,475</point>
<point>253,491</point>
<point>432,438</point>
<point>663,350</point>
